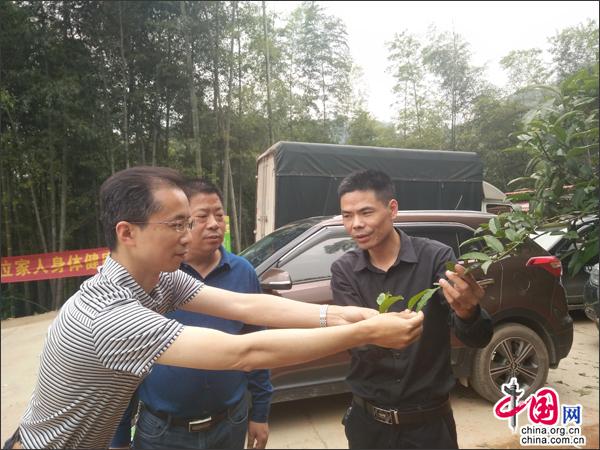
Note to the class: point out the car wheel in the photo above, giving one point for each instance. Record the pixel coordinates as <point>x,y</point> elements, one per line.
<point>514,351</point>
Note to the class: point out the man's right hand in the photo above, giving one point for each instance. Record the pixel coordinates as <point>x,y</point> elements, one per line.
<point>395,330</point>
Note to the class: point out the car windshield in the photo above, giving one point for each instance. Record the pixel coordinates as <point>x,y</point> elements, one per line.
<point>258,252</point>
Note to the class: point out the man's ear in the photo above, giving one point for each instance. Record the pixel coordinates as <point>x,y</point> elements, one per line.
<point>126,233</point>
<point>393,205</point>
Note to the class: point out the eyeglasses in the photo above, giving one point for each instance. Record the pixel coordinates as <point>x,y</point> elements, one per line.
<point>180,226</point>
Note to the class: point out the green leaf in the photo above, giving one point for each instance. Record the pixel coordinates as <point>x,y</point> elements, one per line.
<point>450,265</point>
<point>512,235</point>
<point>421,296</point>
<point>494,243</point>
<point>494,225</point>
<point>576,151</point>
<point>582,256</point>
<point>472,240</point>
<point>519,180</point>
<point>485,266</point>
<point>388,301</point>
<point>380,298</point>
<point>424,298</point>
<point>475,255</point>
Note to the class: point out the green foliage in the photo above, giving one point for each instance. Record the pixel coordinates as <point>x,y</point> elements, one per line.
<point>574,48</point>
<point>386,300</point>
<point>525,68</point>
<point>561,138</point>
<point>496,240</point>
<point>418,301</point>
<point>89,88</point>
<point>415,303</point>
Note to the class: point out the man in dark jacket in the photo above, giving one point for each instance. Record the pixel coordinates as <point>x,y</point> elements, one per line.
<point>401,397</point>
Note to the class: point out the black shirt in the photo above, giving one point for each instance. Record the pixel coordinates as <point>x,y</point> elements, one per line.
<point>419,375</point>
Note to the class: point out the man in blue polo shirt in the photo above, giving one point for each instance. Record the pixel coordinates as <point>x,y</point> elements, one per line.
<point>189,408</point>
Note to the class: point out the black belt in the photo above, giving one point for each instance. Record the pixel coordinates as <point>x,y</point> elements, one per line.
<point>393,416</point>
<point>191,424</point>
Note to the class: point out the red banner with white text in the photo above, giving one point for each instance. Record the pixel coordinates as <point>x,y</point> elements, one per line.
<point>45,266</point>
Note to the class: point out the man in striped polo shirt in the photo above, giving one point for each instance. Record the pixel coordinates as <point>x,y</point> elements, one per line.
<point>110,333</point>
<point>204,409</point>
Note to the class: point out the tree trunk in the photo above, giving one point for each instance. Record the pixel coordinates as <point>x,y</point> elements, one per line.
<point>62,225</point>
<point>3,180</point>
<point>240,204</point>
<point>239,47</point>
<point>268,72</point>
<point>405,118</point>
<point>227,131</point>
<point>418,111</point>
<point>36,211</point>
<point>52,194</point>
<point>125,87</point>
<point>196,147</point>
<point>167,125</point>
<point>107,121</point>
<point>59,294</point>
<point>168,105</point>
<point>240,102</point>
<point>234,220</point>
<point>323,89</point>
<point>453,125</point>
<point>99,233</point>
<point>140,139</point>
<point>6,200</point>
<point>154,139</point>
<point>217,94</point>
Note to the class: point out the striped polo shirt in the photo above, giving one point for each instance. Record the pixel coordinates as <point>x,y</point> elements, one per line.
<point>102,343</point>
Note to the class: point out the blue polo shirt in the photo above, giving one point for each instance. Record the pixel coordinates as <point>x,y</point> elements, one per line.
<point>194,393</point>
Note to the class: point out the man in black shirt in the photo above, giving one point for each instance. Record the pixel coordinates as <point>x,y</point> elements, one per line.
<point>401,397</point>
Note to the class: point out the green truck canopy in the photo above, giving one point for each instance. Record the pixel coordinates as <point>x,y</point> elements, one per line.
<point>308,175</point>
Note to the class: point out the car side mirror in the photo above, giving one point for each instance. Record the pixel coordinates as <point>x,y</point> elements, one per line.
<point>276,279</point>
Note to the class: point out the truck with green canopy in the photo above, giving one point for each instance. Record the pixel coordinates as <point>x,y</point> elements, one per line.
<point>296,180</point>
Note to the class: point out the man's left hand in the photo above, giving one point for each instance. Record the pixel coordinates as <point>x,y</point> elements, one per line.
<point>258,434</point>
<point>462,292</point>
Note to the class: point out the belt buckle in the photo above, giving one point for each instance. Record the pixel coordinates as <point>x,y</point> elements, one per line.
<point>385,415</point>
<point>199,425</point>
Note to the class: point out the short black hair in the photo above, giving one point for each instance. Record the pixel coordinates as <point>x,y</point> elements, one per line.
<point>368,180</point>
<point>201,186</point>
<point>129,195</point>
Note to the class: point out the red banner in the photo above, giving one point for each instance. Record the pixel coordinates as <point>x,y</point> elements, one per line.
<point>45,266</point>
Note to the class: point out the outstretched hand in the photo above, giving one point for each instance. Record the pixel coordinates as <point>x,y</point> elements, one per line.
<point>397,330</point>
<point>462,292</point>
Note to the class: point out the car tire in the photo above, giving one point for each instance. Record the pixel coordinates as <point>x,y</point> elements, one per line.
<point>515,350</point>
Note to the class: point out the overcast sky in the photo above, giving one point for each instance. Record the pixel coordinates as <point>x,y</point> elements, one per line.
<point>492,29</point>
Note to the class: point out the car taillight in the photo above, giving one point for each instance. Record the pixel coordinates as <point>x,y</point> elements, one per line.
<point>550,263</point>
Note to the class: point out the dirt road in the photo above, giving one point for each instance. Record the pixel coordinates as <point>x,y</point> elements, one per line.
<point>316,423</point>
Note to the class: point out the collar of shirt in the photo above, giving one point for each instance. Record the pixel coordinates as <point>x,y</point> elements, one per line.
<point>224,264</point>
<point>116,273</point>
<point>407,254</point>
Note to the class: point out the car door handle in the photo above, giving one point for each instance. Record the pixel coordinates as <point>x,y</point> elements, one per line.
<point>486,282</point>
